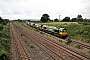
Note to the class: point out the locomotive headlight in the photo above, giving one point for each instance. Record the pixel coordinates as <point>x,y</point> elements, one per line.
<point>60,33</point>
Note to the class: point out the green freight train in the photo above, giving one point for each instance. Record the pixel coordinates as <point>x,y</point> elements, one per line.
<point>60,32</point>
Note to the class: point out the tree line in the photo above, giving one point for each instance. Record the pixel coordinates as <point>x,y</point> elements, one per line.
<point>46,18</point>
<point>3,22</point>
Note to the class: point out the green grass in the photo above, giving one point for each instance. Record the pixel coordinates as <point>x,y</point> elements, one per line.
<point>20,23</point>
<point>59,23</point>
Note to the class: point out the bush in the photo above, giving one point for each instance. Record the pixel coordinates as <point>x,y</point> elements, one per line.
<point>36,30</point>
<point>41,32</point>
<point>3,42</point>
<point>4,38</point>
<point>65,24</point>
<point>78,46</point>
<point>68,41</point>
<point>1,27</point>
<point>31,46</point>
<point>4,55</point>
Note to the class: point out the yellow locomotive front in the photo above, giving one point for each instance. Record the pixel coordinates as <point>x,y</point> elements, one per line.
<point>63,32</point>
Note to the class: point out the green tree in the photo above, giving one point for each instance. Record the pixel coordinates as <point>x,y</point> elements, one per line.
<point>19,20</point>
<point>45,18</point>
<point>1,20</point>
<point>28,20</point>
<point>1,23</point>
<point>66,19</point>
<point>79,18</point>
<point>73,19</point>
<point>85,20</point>
<point>56,20</point>
<point>6,20</point>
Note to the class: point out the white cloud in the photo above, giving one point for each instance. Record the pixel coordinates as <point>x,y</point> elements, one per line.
<point>14,9</point>
<point>0,12</point>
<point>9,11</point>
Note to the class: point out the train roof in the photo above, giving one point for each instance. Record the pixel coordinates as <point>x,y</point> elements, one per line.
<point>44,25</point>
<point>62,29</point>
<point>52,27</point>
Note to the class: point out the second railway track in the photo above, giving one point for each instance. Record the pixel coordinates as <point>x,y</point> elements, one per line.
<point>18,46</point>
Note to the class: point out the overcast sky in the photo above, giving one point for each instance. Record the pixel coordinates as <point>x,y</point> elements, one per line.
<point>34,9</point>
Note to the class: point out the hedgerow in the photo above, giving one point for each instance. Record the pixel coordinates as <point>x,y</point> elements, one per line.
<point>4,39</point>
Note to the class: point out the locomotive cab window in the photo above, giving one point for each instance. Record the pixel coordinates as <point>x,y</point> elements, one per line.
<point>62,30</point>
<point>57,31</point>
<point>44,27</point>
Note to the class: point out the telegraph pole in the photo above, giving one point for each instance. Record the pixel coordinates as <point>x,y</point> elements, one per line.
<point>59,17</point>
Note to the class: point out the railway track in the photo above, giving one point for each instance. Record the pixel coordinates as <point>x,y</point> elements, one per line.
<point>81,44</point>
<point>87,46</point>
<point>19,53</point>
<point>38,56</point>
<point>80,57</point>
